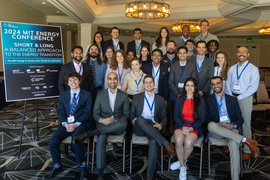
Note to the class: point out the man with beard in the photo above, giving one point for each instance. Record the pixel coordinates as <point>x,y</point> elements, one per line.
<point>98,68</point>
<point>181,41</point>
<point>169,57</point>
<point>205,68</point>
<point>224,118</point>
<point>83,69</point>
<point>242,82</point>
<point>111,112</point>
<point>114,41</point>
<point>212,47</point>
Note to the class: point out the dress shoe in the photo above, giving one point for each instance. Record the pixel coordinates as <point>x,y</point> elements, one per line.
<point>252,146</point>
<point>246,156</point>
<point>84,173</point>
<point>170,150</point>
<point>147,178</point>
<point>52,173</point>
<point>79,139</point>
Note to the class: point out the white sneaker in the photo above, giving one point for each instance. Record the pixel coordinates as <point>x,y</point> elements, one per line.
<point>175,166</point>
<point>183,173</point>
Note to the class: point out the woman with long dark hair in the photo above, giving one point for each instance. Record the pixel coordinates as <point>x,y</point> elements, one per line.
<point>145,56</point>
<point>98,39</point>
<point>108,55</point>
<point>189,116</point>
<point>162,40</point>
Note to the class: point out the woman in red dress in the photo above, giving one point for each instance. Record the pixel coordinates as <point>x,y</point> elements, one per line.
<point>189,116</point>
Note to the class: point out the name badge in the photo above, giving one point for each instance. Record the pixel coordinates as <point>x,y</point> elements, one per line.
<point>180,85</point>
<point>169,69</point>
<point>224,119</point>
<point>71,119</point>
<point>236,87</point>
<point>136,93</point>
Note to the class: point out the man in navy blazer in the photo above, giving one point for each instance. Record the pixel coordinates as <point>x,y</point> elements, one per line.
<point>136,45</point>
<point>224,118</point>
<point>160,74</point>
<point>75,65</point>
<point>73,112</point>
<point>114,41</point>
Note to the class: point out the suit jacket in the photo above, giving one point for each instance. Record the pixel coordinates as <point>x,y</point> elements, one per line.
<point>176,75</point>
<point>131,45</point>
<point>233,109</point>
<point>88,82</point>
<point>204,76</point>
<point>163,89</point>
<point>166,62</point>
<point>178,117</point>
<point>102,108</point>
<point>160,108</point>
<point>110,43</point>
<point>82,111</point>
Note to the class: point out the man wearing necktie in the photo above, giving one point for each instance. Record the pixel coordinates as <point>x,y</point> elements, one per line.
<point>74,111</point>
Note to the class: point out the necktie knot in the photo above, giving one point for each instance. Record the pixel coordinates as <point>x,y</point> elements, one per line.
<point>74,95</point>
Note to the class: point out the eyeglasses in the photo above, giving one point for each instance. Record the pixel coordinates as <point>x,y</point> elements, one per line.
<point>242,52</point>
<point>170,45</point>
<point>154,55</point>
<point>76,53</point>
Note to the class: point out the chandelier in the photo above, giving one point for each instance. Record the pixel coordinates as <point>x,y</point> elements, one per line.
<point>265,29</point>
<point>193,26</point>
<point>147,10</point>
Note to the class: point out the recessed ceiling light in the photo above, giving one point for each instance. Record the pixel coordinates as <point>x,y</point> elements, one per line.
<point>127,31</point>
<point>75,28</point>
<point>67,24</point>
<point>43,2</point>
<point>57,11</point>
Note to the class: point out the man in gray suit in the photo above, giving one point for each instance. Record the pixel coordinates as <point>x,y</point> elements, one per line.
<point>111,111</point>
<point>148,115</point>
<point>205,68</point>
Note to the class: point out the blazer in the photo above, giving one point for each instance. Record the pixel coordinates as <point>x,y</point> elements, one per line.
<point>204,76</point>
<point>82,111</point>
<point>110,43</point>
<point>102,108</point>
<point>131,45</point>
<point>178,117</point>
<point>160,108</point>
<point>88,82</point>
<point>176,76</point>
<point>233,109</point>
<point>163,89</point>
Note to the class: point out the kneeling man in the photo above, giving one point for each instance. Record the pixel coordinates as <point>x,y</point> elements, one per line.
<point>224,118</point>
<point>111,111</point>
<point>74,111</point>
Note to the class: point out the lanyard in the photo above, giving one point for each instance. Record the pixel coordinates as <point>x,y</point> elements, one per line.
<point>219,105</point>
<point>238,76</point>
<point>183,39</point>
<point>80,69</point>
<point>142,62</point>
<point>115,47</point>
<point>138,48</point>
<point>155,75</point>
<point>150,107</point>
<point>120,75</point>
<point>199,68</point>
<point>170,60</point>
<point>191,56</point>
<point>217,71</point>
<point>138,83</point>
<point>213,58</point>
<point>74,102</point>
<point>204,36</point>
<point>182,75</point>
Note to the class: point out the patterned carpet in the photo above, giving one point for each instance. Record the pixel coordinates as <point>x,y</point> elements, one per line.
<point>36,160</point>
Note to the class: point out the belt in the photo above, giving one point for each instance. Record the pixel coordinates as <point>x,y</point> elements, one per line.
<point>235,94</point>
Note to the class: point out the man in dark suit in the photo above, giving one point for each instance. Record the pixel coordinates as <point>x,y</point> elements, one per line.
<point>81,68</point>
<point>73,112</point>
<point>111,111</point>
<point>136,45</point>
<point>224,118</point>
<point>205,68</point>
<point>170,57</point>
<point>114,41</point>
<point>148,115</point>
<point>160,74</point>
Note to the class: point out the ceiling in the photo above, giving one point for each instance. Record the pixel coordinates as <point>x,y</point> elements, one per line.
<point>226,17</point>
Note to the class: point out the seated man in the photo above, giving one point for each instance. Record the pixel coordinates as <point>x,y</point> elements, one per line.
<point>224,118</point>
<point>148,115</point>
<point>111,111</point>
<point>73,112</point>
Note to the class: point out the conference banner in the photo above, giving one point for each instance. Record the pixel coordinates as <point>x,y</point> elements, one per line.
<point>32,58</point>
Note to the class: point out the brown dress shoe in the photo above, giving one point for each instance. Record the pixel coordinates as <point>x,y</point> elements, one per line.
<point>252,146</point>
<point>246,156</point>
<point>170,150</point>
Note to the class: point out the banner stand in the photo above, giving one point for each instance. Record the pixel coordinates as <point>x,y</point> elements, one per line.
<point>22,129</point>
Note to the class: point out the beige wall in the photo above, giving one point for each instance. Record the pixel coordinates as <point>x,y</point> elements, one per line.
<point>15,12</point>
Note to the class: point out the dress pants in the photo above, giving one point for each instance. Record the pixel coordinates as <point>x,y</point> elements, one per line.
<point>144,127</point>
<point>61,134</point>
<point>111,129</point>
<point>234,139</point>
<point>246,110</point>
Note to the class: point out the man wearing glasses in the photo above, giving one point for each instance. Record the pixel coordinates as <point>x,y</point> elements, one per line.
<point>169,58</point>
<point>243,81</point>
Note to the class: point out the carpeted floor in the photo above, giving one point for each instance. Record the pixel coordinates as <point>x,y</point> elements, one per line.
<point>36,160</point>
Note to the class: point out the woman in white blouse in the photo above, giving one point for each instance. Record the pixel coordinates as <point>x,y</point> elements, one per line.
<point>162,40</point>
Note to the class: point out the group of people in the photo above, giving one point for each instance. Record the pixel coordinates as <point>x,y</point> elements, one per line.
<point>184,84</point>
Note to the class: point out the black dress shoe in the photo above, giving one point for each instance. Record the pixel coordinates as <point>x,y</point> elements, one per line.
<point>79,139</point>
<point>52,173</point>
<point>84,173</point>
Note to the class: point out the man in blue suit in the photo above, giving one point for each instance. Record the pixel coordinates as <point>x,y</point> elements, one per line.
<point>224,118</point>
<point>73,112</point>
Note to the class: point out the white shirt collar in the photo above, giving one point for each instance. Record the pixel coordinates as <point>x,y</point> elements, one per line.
<point>112,94</point>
